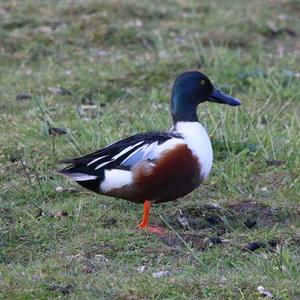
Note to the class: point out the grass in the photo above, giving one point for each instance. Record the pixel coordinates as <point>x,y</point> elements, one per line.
<point>102,70</point>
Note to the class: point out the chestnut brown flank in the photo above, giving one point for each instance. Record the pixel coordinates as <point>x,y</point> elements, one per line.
<point>174,175</point>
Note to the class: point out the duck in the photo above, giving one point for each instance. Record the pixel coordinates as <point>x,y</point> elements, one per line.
<point>156,166</point>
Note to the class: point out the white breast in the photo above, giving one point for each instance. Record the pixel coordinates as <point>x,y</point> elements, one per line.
<point>198,141</point>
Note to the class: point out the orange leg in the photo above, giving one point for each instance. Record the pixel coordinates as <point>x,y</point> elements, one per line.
<point>145,220</point>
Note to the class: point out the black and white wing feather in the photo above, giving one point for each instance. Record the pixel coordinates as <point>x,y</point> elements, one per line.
<point>122,155</point>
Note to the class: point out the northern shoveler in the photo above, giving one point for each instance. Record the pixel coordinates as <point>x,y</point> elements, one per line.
<point>155,167</point>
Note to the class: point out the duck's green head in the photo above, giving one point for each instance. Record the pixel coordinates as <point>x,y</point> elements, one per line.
<point>190,89</point>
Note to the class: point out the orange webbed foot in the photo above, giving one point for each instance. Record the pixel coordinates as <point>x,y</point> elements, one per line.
<point>157,230</point>
<point>145,221</point>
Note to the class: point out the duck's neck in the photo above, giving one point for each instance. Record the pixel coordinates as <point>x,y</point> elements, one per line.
<point>183,110</point>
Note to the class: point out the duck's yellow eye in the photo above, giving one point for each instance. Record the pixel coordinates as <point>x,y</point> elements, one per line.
<point>202,82</point>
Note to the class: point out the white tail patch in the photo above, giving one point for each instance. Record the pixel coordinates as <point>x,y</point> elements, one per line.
<point>114,179</point>
<point>80,176</point>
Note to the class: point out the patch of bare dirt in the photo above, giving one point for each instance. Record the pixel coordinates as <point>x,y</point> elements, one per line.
<point>213,220</point>
<point>263,214</point>
<point>194,240</point>
<point>208,225</point>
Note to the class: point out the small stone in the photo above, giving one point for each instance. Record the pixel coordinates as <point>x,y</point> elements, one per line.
<point>250,223</point>
<point>100,259</point>
<point>110,221</point>
<point>264,292</point>
<point>54,131</point>
<point>272,243</point>
<point>98,52</point>
<point>141,269</point>
<point>28,72</point>
<point>39,213</point>
<point>213,206</point>
<point>161,274</point>
<point>45,29</point>
<point>275,162</point>
<point>68,72</point>
<point>88,106</point>
<point>88,269</point>
<point>254,246</point>
<point>23,96</point>
<point>223,279</point>
<point>59,189</point>
<point>59,91</point>
<point>64,289</point>
<point>135,23</point>
<point>215,240</point>
<point>182,218</point>
<point>13,158</point>
<point>60,214</point>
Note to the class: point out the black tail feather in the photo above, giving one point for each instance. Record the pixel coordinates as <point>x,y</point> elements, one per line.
<point>90,184</point>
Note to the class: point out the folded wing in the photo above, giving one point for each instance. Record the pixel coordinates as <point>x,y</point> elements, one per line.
<point>110,166</point>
